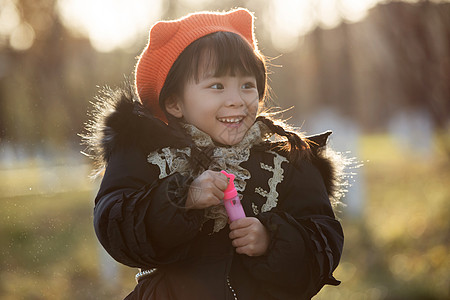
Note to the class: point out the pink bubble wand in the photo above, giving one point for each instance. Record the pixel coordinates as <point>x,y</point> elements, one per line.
<point>232,201</point>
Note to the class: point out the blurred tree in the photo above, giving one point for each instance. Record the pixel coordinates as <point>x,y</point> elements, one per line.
<point>419,40</point>
<point>45,89</point>
<point>397,57</point>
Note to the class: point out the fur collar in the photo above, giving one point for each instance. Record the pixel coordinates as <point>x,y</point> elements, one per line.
<point>118,118</point>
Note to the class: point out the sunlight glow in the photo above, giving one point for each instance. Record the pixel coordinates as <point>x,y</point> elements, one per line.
<point>22,37</point>
<point>195,4</point>
<point>117,24</point>
<point>328,13</point>
<point>290,19</point>
<point>17,32</point>
<point>293,18</point>
<point>109,24</point>
<point>9,18</point>
<point>356,10</point>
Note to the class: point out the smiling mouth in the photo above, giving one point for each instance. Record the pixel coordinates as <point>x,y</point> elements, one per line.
<point>231,120</point>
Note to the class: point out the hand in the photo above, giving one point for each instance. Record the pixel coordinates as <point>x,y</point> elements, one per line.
<point>206,190</point>
<point>249,236</point>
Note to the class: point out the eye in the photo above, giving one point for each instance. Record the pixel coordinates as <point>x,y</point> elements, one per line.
<point>217,86</point>
<point>248,85</point>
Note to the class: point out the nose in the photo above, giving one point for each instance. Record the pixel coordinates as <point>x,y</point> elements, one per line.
<point>234,98</point>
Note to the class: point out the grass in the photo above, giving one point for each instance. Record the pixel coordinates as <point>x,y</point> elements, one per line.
<point>397,249</point>
<point>49,249</point>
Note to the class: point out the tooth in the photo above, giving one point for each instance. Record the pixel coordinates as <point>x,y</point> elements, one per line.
<point>231,120</point>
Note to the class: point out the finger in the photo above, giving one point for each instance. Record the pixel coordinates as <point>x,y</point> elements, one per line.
<point>239,242</point>
<point>237,233</point>
<point>247,250</point>
<point>242,223</point>
<point>212,199</point>
<point>210,192</point>
<point>218,193</point>
<point>221,181</point>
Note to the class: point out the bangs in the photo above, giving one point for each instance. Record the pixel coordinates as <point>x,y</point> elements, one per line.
<point>224,53</point>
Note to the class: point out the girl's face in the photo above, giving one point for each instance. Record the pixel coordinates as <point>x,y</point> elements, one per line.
<point>224,107</point>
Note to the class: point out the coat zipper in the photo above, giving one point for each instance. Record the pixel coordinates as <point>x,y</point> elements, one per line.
<point>231,288</point>
<point>233,292</point>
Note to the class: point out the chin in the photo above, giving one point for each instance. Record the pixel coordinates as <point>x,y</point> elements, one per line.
<point>231,142</point>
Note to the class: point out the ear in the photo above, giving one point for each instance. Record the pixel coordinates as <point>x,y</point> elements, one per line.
<point>174,107</point>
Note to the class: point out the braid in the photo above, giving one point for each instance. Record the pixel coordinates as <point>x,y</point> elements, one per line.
<point>296,146</point>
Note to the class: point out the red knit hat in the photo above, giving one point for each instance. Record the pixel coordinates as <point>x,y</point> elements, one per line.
<point>169,38</point>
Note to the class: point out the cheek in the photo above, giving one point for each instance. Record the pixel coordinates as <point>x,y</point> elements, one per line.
<point>253,107</point>
<point>252,100</point>
<point>199,112</point>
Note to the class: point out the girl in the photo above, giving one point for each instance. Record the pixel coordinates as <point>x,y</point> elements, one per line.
<point>199,85</point>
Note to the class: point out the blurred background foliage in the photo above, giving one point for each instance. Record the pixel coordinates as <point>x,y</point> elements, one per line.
<point>375,72</point>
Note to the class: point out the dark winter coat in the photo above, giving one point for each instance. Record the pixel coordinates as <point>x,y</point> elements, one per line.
<point>140,219</point>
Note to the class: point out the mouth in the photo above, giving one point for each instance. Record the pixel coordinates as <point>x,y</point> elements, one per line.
<point>231,120</point>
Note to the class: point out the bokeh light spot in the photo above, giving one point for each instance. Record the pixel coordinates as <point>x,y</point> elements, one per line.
<point>9,18</point>
<point>22,38</point>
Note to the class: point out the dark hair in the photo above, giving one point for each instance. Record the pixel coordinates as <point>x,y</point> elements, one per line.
<point>224,53</point>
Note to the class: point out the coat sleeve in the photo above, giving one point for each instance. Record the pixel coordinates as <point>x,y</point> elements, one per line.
<point>306,239</point>
<point>140,219</point>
